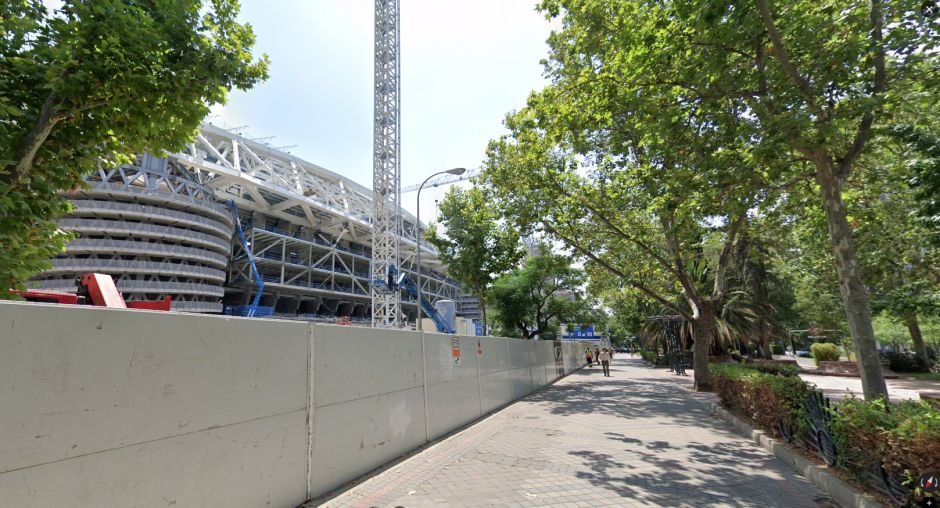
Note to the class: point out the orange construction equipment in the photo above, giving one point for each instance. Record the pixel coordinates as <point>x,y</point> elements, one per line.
<point>101,290</point>
<point>94,289</point>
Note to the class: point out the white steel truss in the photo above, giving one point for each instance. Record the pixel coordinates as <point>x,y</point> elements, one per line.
<point>386,184</point>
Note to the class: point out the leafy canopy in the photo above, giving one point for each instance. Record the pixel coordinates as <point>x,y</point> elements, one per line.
<point>477,247</point>
<point>91,85</point>
<point>537,298</point>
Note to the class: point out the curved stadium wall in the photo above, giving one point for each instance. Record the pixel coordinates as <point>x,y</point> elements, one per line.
<point>155,229</point>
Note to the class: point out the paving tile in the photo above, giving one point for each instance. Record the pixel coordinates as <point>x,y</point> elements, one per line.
<point>636,439</point>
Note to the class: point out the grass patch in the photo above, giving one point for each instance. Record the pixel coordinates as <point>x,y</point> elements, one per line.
<point>933,376</point>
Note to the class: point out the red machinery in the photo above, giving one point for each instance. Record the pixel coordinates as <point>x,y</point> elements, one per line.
<point>94,289</point>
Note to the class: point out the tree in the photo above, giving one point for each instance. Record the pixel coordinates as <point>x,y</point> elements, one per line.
<point>93,84</point>
<point>537,298</point>
<point>477,247</point>
<point>803,85</point>
<point>641,217</point>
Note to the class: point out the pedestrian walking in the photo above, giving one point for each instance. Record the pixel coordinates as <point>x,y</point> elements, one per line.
<point>590,357</point>
<point>604,359</point>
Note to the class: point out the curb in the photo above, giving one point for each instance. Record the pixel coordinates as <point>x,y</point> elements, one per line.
<point>845,495</point>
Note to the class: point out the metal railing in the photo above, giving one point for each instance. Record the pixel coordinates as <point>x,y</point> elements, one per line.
<point>142,286</point>
<point>149,212</point>
<point>128,266</point>
<point>145,248</point>
<point>182,306</point>
<point>315,241</point>
<point>148,230</point>
<point>267,279</point>
<point>209,204</point>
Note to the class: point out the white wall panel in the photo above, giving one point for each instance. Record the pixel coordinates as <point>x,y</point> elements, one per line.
<point>353,437</point>
<point>84,379</point>
<point>495,357</point>
<point>440,360</point>
<point>102,407</point>
<point>452,404</point>
<point>246,465</point>
<point>352,362</point>
<point>496,389</point>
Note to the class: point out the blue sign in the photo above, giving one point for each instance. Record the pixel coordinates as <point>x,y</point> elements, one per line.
<point>478,328</point>
<point>587,334</point>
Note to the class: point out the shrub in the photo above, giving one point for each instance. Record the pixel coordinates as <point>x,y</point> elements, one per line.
<point>776,349</point>
<point>905,437</point>
<point>779,369</point>
<point>765,398</point>
<point>825,353</point>
<point>651,357</point>
<point>904,362</point>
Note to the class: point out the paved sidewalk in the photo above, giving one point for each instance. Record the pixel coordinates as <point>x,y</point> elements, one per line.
<point>637,438</point>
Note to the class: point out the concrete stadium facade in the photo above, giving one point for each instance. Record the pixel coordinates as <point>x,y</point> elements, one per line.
<point>162,227</point>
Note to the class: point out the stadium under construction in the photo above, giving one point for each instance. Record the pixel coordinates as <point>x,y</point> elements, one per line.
<point>164,227</point>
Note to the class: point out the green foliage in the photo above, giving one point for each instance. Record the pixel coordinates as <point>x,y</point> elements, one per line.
<point>652,359</point>
<point>904,362</point>
<point>904,436</point>
<point>765,398</point>
<point>92,84</point>
<point>925,164</point>
<point>477,247</point>
<point>778,369</point>
<point>825,352</point>
<point>537,298</point>
<point>776,349</point>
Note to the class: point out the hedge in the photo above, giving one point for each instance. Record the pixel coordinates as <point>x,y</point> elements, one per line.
<point>765,398</point>
<point>903,438</point>
<point>904,362</point>
<point>652,358</point>
<point>825,353</point>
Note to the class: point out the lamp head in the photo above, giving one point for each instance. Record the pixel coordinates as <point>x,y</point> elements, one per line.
<point>457,171</point>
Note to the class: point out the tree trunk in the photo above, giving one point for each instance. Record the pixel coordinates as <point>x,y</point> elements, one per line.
<point>703,334</point>
<point>854,297</point>
<point>913,326</point>
<point>763,347</point>
<point>486,328</point>
<point>26,151</point>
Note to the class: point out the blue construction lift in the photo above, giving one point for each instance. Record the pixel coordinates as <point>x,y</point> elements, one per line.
<point>398,282</point>
<point>253,308</point>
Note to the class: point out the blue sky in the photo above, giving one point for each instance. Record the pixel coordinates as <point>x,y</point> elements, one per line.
<point>464,65</point>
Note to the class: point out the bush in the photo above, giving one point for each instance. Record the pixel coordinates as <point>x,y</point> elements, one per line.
<point>765,398</point>
<point>825,353</point>
<point>778,369</point>
<point>651,358</point>
<point>905,437</point>
<point>904,362</point>
<point>776,349</point>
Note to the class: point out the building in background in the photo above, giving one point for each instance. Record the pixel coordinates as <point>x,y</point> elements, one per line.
<point>162,227</point>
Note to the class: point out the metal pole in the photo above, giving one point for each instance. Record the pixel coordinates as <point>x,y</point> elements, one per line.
<point>455,171</point>
<point>418,242</point>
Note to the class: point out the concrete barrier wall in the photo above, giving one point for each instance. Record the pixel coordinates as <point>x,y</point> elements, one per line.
<point>102,407</point>
<point>106,407</point>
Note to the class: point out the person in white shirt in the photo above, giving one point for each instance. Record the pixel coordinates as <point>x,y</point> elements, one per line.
<point>604,359</point>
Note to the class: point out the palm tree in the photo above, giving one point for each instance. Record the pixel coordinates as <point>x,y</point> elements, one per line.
<point>739,321</point>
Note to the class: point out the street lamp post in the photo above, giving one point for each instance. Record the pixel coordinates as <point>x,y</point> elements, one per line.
<point>455,171</point>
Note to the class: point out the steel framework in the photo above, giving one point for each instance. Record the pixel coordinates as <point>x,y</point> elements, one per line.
<point>386,166</point>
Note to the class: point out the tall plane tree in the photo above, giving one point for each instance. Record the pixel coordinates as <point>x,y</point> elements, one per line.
<point>93,83</point>
<point>809,82</point>
<point>477,247</point>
